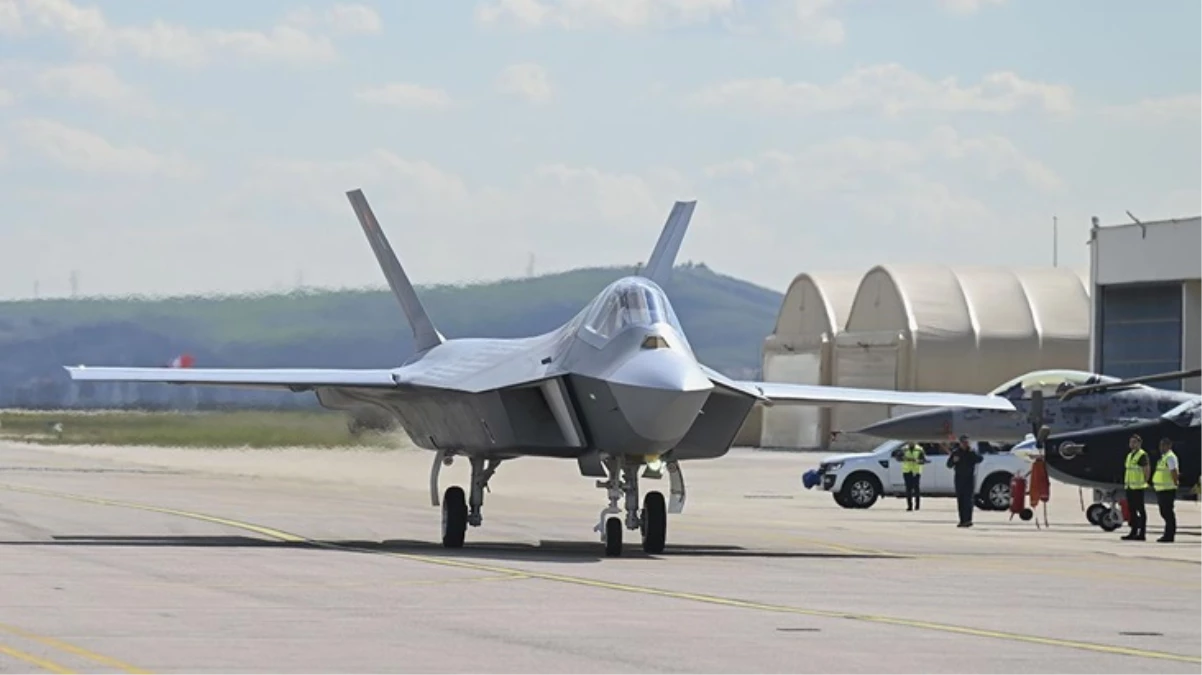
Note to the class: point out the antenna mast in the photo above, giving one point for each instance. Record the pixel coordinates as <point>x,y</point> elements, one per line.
<point>1055,242</point>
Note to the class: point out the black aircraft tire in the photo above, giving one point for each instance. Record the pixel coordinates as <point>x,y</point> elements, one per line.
<point>454,517</point>
<point>655,523</point>
<point>1094,514</point>
<point>613,537</point>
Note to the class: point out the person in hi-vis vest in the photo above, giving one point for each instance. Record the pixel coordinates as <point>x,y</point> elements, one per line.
<point>1165,479</point>
<point>913,457</point>
<point>1136,471</point>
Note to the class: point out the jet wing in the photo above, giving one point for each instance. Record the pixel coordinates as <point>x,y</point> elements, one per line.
<point>295,379</point>
<point>807,394</point>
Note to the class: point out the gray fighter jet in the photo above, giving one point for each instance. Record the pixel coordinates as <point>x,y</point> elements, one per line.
<point>1071,400</point>
<point>617,389</point>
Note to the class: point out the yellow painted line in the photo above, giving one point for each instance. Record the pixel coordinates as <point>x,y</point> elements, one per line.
<point>72,649</point>
<point>44,664</point>
<point>647,590</point>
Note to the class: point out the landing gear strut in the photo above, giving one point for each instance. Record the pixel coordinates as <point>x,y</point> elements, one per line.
<point>651,521</point>
<point>457,512</point>
<point>1105,511</point>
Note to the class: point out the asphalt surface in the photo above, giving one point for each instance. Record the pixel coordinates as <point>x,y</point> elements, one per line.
<point>156,560</point>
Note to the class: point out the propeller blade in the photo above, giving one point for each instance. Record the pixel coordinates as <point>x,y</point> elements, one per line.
<point>1035,416</point>
<point>1143,379</point>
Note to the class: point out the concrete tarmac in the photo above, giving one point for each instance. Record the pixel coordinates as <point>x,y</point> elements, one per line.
<point>166,560</point>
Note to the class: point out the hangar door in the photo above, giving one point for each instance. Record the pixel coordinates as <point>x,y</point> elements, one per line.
<point>792,426</point>
<point>1140,331</point>
<point>868,362</point>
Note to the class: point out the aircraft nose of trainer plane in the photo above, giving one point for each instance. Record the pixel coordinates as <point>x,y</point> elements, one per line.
<point>927,425</point>
<point>660,392</point>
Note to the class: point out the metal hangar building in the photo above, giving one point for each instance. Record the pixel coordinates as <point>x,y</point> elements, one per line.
<point>1146,314</point>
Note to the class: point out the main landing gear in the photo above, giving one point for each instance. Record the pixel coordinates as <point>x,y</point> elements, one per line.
<point>1105,512</point>
<point>460,511</point>
<point>457,511</point>
<point>652,520</point>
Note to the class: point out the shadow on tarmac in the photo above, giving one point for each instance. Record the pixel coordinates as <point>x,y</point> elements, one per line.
<point>544,551</point>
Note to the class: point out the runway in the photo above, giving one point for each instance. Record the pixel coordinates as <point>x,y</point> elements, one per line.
<point>159,560</point>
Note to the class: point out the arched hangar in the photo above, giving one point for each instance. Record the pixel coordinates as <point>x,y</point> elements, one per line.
<point>921,328</point>
<point>812,314</point>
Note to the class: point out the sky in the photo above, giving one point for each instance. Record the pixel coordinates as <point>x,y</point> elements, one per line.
<point>173,147</point>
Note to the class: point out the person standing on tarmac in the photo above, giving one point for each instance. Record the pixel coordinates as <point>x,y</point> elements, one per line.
<point>1165,480</point>
<point>913,457</point>
<point>963,460</point>
<point>1135,481</point>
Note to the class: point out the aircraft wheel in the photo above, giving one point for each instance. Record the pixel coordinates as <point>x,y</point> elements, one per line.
<point>454,517</point>
<point>613,537</point>
<point>654,523</point>
<point>1111,520</point>
<point>1094,514</point>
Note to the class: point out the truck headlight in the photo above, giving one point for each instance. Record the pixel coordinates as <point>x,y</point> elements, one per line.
<point>832,467</point>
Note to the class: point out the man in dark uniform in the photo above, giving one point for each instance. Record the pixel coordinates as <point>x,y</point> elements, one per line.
<point>963,461</point>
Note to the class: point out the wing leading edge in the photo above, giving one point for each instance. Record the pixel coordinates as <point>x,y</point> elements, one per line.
<point>783,392</point>
<point>295,379</point>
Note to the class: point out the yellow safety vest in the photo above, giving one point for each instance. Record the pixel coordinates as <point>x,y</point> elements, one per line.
<point>1162,478</point>
<point>1135,473</point>
<point>911,455</point>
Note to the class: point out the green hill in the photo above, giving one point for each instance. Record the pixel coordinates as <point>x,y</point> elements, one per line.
<point>726,320</point>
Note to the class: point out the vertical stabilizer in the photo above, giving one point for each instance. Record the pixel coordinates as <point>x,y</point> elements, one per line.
<point>425,335</point>
<point>663,257</point>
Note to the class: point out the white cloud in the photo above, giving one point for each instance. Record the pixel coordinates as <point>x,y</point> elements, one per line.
<point>554,210</point>
<point>1186,107</point>
<point>810,22</point>
<point>526,80</point>
<point>82,150</point>
<point>889,89</point>
<point>406,95</point>
<point>91,32</point>
<point>840,164</point>
<point>10,18</point>
<point>343,19</point>
<point>584,14</point>
<point>967,6</point>
<point>96,83</point>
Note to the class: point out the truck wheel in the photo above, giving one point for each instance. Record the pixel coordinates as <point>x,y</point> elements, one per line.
<point>861,490</point>
<point>996,492</point>
<point>841,501</point>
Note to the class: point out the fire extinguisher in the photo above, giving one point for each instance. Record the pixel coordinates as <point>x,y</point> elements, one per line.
<point>1018,498</point>
<point>1126,510</point>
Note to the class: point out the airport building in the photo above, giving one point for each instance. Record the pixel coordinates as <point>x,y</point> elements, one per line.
<point>917,328</point>
<point>1146,313</point>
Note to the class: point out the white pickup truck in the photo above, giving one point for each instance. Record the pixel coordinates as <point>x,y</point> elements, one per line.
<point>857,480</point>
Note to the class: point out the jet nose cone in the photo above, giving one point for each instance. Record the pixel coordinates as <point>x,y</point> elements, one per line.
<point>928,425</point>
<point>660,394</point>
<point>662,369</point>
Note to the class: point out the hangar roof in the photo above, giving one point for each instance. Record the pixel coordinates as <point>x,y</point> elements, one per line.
<point>941,301</point>
<point>972,328</point>
<point>817,303</point>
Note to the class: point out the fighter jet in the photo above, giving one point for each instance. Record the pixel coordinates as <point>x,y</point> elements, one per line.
<point>617,388</point>
<point>1071,401</point>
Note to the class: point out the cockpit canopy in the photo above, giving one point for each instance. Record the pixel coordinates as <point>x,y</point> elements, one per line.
<point>631,301</point>
<point>1050,382</point>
